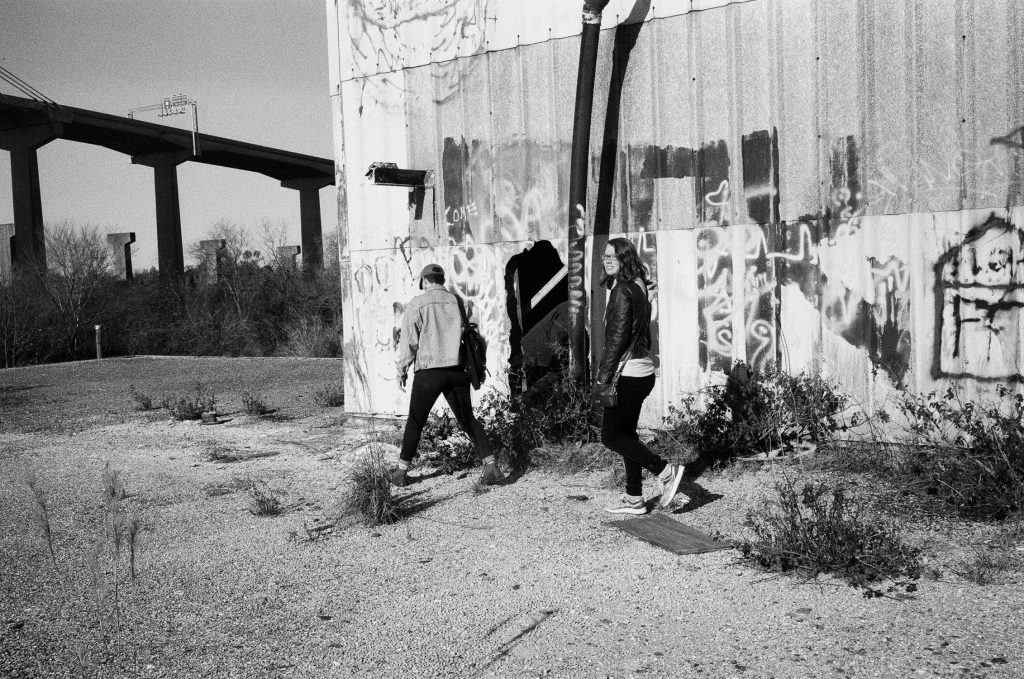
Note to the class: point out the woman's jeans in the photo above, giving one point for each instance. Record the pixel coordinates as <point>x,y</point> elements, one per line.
<point>427,385</point>
<point>618,432</point>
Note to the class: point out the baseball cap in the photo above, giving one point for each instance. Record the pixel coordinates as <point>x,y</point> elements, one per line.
<point>431,270</point>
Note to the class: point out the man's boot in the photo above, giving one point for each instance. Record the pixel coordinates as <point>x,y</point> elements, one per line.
<point>398,477</point>
<point>491,475</point>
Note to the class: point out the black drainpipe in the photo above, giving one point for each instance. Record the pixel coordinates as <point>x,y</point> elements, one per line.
<point>578,184</point>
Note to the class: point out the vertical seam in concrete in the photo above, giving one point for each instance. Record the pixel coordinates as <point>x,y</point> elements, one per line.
<point>1016,112</point>
<point>777,108</point>
<point>913,82</point>
<point>738,227</point>
<point>873,153</point>
<point>656,136</point>
<point>820,119</point>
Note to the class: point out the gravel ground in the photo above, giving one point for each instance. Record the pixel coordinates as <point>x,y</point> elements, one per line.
<point>519,581</point>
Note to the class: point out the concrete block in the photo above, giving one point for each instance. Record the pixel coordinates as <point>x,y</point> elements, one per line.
<point>212,259</point>
<point>286,255</point>
<point>121,253</point>
<point>6,251</point>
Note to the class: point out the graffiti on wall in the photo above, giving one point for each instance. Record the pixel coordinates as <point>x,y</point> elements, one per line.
<point>381,32</point>
<point>510,192</point>
<point>873,316</point>
<point>513,192</point>
<point>980,287</point>
<point>715,268</point>
<point>950,175</point>
<point>384,282</point>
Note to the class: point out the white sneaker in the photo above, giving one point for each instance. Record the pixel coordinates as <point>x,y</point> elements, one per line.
<point>670,479</point>
<point>624,505</point>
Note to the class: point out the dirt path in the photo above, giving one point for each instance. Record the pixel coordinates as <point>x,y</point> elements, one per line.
<point>522,580</point>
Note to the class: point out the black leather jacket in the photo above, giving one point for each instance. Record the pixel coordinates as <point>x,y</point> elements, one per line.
<point>628,316</point>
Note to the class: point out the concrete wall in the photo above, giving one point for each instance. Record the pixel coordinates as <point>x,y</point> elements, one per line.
<point>816,184</point>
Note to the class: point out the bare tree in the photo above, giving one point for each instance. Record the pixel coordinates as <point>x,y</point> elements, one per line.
<point>78,263</point>
<point>273,236</point>
<point>236,240</point>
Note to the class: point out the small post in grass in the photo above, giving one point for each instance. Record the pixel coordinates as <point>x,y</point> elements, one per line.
<point>99,349</point>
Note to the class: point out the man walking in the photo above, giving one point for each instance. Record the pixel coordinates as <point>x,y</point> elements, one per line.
<point>430,340</point>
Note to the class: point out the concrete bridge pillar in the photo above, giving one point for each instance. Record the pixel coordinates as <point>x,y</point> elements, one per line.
<point>6,243</point>
<point>121,249</point>
<point>212,258</point>
<point>309,211</point>
<point>169,253</point>
<point>29,236</point>
<point>286,255</point>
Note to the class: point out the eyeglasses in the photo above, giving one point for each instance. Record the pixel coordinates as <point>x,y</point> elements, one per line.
<point>609,258</point>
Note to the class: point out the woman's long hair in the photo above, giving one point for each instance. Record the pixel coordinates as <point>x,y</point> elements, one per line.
<point>630,266</point>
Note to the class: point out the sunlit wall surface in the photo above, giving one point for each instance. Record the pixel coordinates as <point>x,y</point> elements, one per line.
<point>823,185</point>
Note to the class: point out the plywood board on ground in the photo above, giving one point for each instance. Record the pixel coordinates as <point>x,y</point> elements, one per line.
<point>667,533</point>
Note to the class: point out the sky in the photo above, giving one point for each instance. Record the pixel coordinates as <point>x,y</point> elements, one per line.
<point>258,70</point>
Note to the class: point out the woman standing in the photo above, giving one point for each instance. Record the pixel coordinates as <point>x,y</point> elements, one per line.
<point>627,337</point>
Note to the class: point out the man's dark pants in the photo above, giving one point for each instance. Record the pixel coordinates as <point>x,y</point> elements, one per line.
<point>427,385</point>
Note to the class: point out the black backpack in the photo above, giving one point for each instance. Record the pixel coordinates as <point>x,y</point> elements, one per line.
<point>473,352</point>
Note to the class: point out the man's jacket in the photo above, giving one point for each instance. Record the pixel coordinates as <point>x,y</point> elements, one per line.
<point>628,315</point>
<point>431,331</point>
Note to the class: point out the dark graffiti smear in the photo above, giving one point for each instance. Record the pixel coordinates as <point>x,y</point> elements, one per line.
<point>511,192</point>
<point>761,285</point>
<point>709,167</point>
<point>881,327</point>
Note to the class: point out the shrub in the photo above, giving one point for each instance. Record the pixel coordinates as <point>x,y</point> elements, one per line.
<point>566,413</point>
<point>453,448</point>
<point>969,454</point>
<point>142,401</point>
<point>761,412</point>
<point>577,457</point>
<point>264,501</point>
<point>368,496</point>
<point>254,405</point>
<point>190,406</point>
<point>820,529</point>
<point>312,532</point>
<point>563,415</point>
<point>512,429</point>
<point>330,396</point>
<point>310,336</point>
<point>224,454</point>
<point>987,566</point>
<point>113,484</point>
